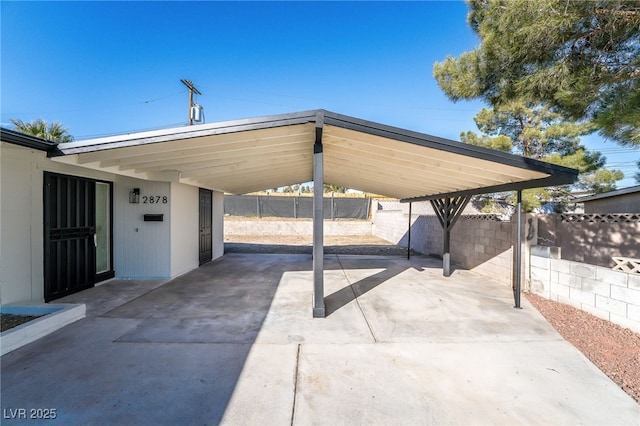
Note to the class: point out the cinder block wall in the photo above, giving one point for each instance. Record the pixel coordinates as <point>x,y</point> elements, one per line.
<point>295,227</point>
<point>611,295</point>
<point>390,220</point>
<point>590,241</point>
<point>391,225</point>
<point>484,246</point>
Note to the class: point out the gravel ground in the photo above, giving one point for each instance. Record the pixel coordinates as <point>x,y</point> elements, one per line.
<point>8,321</point>
<point>613,349</point>
<point>303,244</point>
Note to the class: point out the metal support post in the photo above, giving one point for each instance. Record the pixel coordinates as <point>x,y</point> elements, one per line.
<point>446,251</point>
<point>448,210</point>
<point>332,207</point>
<point>318,231</point>
<point>518,253</point>
<point>409,235</point>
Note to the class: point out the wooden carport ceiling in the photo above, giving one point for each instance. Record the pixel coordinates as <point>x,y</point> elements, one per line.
<point>268,152</point>
<point>388,166</point>
<point>234,162</point>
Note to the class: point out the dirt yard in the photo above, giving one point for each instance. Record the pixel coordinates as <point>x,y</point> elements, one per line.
<point>613,349</point>
<point>303,244</point>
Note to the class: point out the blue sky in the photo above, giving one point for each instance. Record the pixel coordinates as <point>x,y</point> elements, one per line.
<point>104,68</point>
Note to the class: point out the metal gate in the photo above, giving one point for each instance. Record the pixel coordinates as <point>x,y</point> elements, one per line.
<point>70,238</point>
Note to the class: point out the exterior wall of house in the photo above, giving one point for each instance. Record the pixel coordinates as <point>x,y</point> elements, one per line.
<point>21,219</point>
<point>627,203</point>
<point>16,232</point>
<point>217,215</point>
<point>185,228</point>
<point>141,250</point>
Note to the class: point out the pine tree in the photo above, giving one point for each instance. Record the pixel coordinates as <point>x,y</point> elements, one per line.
<point>582,58</point>
<point>535,131</point>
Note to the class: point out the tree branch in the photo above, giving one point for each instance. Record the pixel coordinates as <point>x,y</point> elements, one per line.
<point>622,13</point>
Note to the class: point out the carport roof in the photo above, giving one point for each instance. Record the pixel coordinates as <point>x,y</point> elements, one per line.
<point>253,154</point>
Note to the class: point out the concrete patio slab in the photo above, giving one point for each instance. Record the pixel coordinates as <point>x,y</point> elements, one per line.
<point>453,383</point>
<point>111,294</point>
<point>233,342</point>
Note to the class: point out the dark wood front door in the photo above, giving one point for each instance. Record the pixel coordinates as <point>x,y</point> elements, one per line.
<point>206,247</point>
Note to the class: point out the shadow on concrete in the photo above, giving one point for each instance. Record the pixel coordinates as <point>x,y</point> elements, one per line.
<point>346,295</point>
<point>174,353</point>
<point>171,355</point>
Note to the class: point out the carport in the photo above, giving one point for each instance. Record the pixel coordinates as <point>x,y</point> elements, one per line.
<point>247,155</point>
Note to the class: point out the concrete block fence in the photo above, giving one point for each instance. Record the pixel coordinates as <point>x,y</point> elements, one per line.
<point>484,246</point>
<point>611,295</point>
<point>294,227</point>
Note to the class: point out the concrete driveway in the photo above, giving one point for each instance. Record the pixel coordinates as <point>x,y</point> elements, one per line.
<point>233,342</point>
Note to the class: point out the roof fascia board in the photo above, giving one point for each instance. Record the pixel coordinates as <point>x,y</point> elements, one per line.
<point>320,117</point>
<point>28,141</point>
<point>187,132</point>
<point>442,144</point>
<point>514,186</point>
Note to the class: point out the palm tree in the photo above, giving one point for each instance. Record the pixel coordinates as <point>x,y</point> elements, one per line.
<point>53,132</point>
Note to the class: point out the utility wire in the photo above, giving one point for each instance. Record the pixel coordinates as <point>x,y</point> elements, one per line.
<point>148,101</point>
<point>162,97</point>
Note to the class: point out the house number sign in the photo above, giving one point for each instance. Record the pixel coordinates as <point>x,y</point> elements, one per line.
<point>155,199</point>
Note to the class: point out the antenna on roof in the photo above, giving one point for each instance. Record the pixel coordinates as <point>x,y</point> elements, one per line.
<point>195,110</point>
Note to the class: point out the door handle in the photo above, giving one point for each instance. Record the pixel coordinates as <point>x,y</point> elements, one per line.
<point>95,240</point>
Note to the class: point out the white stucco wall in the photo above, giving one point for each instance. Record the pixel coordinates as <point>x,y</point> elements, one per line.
<point>184,228</point>
<point>142,250</point>
<point>21,219</point>
<point>17,279</point>
<point>217,217</point>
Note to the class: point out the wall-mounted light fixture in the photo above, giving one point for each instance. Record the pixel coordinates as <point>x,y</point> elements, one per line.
<point>134,196</point>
